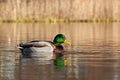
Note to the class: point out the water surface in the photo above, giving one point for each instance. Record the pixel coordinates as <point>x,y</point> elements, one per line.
<point>94,54</point>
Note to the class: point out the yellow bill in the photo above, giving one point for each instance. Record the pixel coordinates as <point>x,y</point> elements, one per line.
<point>67,42</point>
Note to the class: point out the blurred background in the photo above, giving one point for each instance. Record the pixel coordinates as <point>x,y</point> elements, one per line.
<point>74,9</point>
<point>92,27</point>
<point>96,35</point>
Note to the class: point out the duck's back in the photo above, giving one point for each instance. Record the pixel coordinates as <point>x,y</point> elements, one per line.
<point>37,46</point>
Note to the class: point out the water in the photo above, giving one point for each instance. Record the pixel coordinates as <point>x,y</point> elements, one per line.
<point>80,66</point>
<point>94,54</point>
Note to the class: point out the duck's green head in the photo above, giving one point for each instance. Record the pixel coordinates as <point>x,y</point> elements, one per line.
<point>59,39</point>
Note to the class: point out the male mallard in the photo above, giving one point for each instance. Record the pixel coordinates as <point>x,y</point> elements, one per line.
<point>44,46</point>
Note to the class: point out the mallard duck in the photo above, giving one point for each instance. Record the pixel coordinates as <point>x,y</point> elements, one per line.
<point>45,46</point>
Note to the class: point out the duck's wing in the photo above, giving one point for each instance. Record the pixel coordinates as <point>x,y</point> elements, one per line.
<point>35,43</point>
<point>25,45</point>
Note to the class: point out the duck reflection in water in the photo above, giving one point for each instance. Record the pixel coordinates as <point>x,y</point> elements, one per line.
<point>60,60</point>
<point>60,63</point>
<point>58,56</point>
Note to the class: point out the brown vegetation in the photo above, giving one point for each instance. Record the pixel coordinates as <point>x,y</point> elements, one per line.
<point>65,9</point>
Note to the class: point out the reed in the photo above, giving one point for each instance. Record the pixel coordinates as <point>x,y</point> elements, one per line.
<point>77,10</point>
